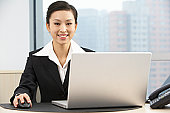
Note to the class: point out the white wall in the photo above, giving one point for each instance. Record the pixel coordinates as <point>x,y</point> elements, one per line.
<point>14,34</point>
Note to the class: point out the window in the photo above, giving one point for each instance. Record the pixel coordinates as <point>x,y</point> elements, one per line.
<point>121,25</point>
<point>160,71</point>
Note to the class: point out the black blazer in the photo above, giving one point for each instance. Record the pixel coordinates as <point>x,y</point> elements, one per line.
<point>41,71</point>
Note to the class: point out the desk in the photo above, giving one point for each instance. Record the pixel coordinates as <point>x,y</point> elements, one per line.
<point>144,109</point>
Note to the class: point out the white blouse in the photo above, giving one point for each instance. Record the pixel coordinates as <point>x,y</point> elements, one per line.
<point>49,51</point>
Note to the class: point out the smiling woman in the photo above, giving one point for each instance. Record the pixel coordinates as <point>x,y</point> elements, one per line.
<point>62,27</point>
<point>48,67</point>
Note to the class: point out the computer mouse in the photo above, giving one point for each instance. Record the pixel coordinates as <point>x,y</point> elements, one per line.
<point>23,105</point>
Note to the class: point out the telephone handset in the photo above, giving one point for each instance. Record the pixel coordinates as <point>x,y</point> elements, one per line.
<point>160,97</point>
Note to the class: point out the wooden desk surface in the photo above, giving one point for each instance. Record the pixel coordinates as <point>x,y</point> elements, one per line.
<point>145,109</point>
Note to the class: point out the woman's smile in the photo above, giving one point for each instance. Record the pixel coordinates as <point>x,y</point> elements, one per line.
<point>62,36</point>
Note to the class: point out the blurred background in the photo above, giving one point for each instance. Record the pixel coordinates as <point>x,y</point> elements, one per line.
<point>103,26</point>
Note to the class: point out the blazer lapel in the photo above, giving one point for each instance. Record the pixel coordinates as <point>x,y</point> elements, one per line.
<point>53,71</point>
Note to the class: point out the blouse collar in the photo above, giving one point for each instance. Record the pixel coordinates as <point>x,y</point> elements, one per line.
<point>49,51</point>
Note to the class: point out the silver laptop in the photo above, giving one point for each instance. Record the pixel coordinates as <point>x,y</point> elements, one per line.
<point>107,79</point>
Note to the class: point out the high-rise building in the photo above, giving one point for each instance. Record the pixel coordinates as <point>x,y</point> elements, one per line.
<point>92,29</point>
<point>118,31</point>
<point>143,25</point>
<point>149,26</point>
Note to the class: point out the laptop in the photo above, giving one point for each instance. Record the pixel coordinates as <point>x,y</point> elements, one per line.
<point>107,79</point>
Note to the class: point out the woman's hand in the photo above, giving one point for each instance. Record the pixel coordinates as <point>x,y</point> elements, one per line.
<point>21,97</point>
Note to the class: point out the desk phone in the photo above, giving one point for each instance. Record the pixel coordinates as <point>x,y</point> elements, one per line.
<point>160,97</point>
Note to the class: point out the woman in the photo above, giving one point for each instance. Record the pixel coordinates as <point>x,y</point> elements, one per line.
<point>49,67</point>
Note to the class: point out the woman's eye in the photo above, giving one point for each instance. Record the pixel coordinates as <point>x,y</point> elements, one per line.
<point>69,23</point>
<point>57,23</point>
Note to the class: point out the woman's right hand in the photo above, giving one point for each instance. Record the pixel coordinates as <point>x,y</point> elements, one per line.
<point>21,97</point>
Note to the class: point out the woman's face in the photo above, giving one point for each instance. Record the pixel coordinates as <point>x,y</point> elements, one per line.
<point>62,26</point>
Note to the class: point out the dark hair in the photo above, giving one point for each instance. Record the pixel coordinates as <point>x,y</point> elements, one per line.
<point>61,5</point>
